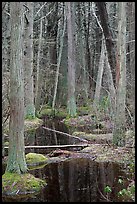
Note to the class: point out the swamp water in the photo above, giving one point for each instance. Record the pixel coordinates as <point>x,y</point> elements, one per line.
<point>75,179</point>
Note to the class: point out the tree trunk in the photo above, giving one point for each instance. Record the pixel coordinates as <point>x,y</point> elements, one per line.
<point>99,76</point>
<point>71,60</point>
<point>39,78</point>
<point>119,126</point>
<point>28,62</point>
<point>16,155</point>
<point>108,35</point>
<point>58,65</point>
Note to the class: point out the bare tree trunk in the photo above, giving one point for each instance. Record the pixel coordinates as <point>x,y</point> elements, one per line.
<point>108,35</point>
<point>62,83</point>
<point>71,60</point>
<point>58,65</point>
<point>28,62</point>
<point>112,90</point>
<point>119,126</point>
<point>99,76</point>
<point>16,155</point>
<point>39,72</point>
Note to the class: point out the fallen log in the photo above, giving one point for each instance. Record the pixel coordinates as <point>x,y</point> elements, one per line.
<point>66,134</point>
<point>54,146</point>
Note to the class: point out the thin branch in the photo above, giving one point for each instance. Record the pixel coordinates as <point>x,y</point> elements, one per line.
<point>63,133</point>
<point>40,10</point>
<point>54,146</point>
<point>44,16</point>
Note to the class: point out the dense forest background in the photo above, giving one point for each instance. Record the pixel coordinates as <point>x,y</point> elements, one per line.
<point>75,54</point>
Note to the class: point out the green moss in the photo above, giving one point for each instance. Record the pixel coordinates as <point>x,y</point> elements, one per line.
<point>32,124</point>
<point>35,159</point>
<point>61,112</point>
<point>13,183</point>
<point>40,166</point>
<point>83,110</point>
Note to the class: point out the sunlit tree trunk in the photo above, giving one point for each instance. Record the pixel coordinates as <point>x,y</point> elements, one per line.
<point>16,155</point>
<point>71,59</point>
<point>120,119</point>
<point>28,62</point>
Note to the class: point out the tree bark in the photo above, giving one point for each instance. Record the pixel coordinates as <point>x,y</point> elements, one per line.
<point>28,62</point>
<point>58,65</point>
<point>99,76</point>
<point>16,155</point>
<point>39,78</point>
<point>108,35</point>
<point>71,60</point>
<point>119,124</point>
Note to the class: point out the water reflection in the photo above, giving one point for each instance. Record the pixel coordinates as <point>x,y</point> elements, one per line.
<point>43,137</point>
<point>79,180</point>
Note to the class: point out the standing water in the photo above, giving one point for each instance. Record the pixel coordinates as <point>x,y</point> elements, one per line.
<point>75,179</point>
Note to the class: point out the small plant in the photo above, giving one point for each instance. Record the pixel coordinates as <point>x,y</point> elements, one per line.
<point>107,189</point>
<point>120,181</point>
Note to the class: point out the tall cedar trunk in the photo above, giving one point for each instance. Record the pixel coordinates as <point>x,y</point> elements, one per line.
<point>71,59</point>
<point>62,84</point>
<point>16,155</point>
<point>52,29</point>
<point>108,35</point>
<point>39,77</point>
<point>88,54</point>
<point>58,65</point>
<point>119,126</point>
<point>81,61</point>
<point>112,90</point>
<point>28,62</point>
<point>99,76</point>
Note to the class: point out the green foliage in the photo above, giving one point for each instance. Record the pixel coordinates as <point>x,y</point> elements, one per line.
<point>30,116</point>
<point>104,103</point>
<point>107,189</point>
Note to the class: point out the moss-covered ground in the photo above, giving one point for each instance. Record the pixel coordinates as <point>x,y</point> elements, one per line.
<point>35,159</point>
<point>13,184</point>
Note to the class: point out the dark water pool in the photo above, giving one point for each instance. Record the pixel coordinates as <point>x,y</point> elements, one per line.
<point>78,180</point>
<point>73,180</point>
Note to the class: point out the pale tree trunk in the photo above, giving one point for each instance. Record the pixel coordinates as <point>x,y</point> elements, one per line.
<point>16,155</point>
<point>119,124</point>
<point>28,62</point>
<point>58,65</point>
<point>39,77</point>
<point>81,55</point>
<point>71,59</point>
<point>112,90</point>
<point>99,76</point>
<point>62,83</point>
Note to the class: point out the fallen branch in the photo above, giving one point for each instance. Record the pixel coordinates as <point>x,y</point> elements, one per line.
<point>54,146</point>
<point>63,133</point>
